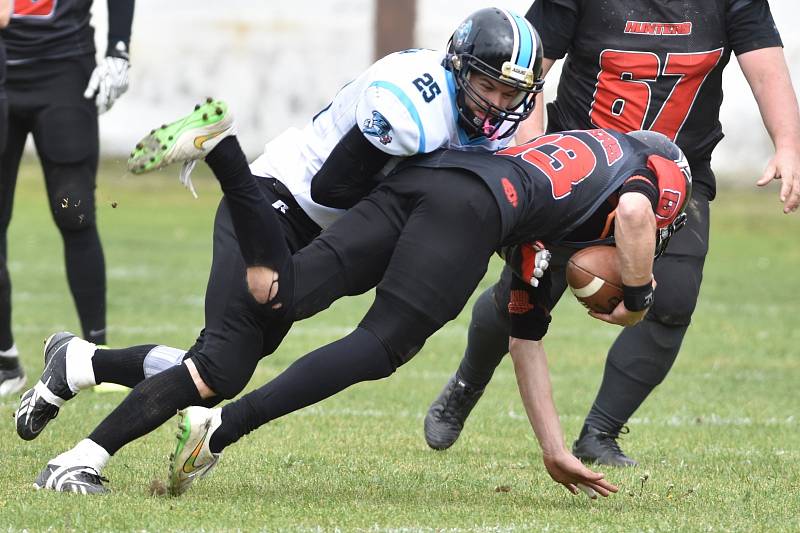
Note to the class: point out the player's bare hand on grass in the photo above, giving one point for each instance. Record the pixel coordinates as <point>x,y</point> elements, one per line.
<point>785,166</point>
<point>567,469</point>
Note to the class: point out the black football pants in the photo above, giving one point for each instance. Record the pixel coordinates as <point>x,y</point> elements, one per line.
<point>45,98</point>
<point>238,331</point>
<point>424,239</point>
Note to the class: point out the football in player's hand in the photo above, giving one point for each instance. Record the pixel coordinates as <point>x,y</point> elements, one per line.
<point>594,276</point>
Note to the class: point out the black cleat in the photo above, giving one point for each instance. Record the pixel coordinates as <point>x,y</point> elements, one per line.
<point>600,447</point>
<point>446,415</point>
<point>11,380</point>
<point>78,479</point>
<point>40,405</point>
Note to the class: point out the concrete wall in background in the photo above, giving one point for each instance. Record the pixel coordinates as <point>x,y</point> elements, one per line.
<point>278,63</point>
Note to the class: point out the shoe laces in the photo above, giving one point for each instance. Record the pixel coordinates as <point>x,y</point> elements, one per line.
<point>91,475</point>
<point>185,176</point>
<point>462,394</point>
<point>610,439</point>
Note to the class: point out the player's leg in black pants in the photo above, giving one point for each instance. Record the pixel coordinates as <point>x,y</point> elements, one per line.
<point>129,366</point>
<point>437,234</point>
<point>12,376</point>
<point>642,355</point>
<point>246,200</point>
<point>238,333</point>
<point>66,137</point>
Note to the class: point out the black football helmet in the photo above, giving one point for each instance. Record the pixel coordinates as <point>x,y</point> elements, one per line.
<point>674,184</point>
<point>505,47</point>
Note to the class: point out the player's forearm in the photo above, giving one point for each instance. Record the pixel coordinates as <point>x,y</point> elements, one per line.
<point>6,6</point>
<point>120,20</point>
<point>533,379</point>
<point>768,76</point>
<point>635,235</point>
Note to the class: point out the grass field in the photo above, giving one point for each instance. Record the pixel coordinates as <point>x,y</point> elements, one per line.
<point>717,442</point>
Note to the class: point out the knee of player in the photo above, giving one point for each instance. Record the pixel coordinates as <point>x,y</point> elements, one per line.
<point>401,329</point>
<point>674,308</point>
<point>73,209</point>
<point>203,389</point>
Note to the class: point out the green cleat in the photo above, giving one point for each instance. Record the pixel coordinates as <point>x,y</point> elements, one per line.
<point>186,140</point>
<point>192,458</point>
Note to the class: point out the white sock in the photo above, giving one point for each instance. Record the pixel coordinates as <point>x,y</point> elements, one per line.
<point>85,453</point>
<point>80,373</point>
<point>11,352</point>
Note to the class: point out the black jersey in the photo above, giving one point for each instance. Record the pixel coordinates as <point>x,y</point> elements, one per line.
<point>634,64</point>
<point>548,188</point>
<point>49,29</point>
<point>2,67</point>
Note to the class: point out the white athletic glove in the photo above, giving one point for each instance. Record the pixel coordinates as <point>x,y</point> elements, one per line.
<point>109,80</point>
<point>529,261</point>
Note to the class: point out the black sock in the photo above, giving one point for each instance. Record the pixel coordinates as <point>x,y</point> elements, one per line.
<point>487,341</point>
<point>254,220</point>
<point>637,362</point>
<point>6,338</point>
<point>360,356</point>
<point>86,274</point>
<point>151,403</point>
<point>9,363</point>
<point>124,366</point>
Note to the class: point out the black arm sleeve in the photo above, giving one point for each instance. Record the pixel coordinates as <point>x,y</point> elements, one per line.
<point>349,172</point>
<point>120,20</point>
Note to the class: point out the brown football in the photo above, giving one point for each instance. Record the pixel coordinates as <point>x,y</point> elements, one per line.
<point>593,274</point>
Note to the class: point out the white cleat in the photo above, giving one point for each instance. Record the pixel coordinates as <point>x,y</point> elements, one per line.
<point>192,458</point>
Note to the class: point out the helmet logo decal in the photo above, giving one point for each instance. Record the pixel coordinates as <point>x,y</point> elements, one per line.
<point>462,33</point>
<point>515,72</point>
<point>510,191</point>
<point>668,204</point>
<point>379,127</point>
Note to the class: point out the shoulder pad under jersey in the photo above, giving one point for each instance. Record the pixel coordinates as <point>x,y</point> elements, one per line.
<point>401,108</point>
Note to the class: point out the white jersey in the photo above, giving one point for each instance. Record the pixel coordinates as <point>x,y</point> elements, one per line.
<point>404,104</point>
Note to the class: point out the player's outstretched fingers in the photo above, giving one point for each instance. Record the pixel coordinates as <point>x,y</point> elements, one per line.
<point>792,191</point>
<point>567,470</point>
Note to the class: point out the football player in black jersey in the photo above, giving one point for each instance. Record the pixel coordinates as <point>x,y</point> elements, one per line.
<point>55,91</point>
<point>630,65</point>
<point>12,376</point>
<point>424,241</point>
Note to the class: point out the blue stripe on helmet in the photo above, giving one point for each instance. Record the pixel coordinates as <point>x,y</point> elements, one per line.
<point>406,101</point>
<point>526,43</point>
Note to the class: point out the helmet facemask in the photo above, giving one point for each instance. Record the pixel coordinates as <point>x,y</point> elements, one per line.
<point>505,48</point>
<point>496,122</point>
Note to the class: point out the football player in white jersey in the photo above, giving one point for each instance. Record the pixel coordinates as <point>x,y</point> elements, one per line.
<point>471,97</point>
